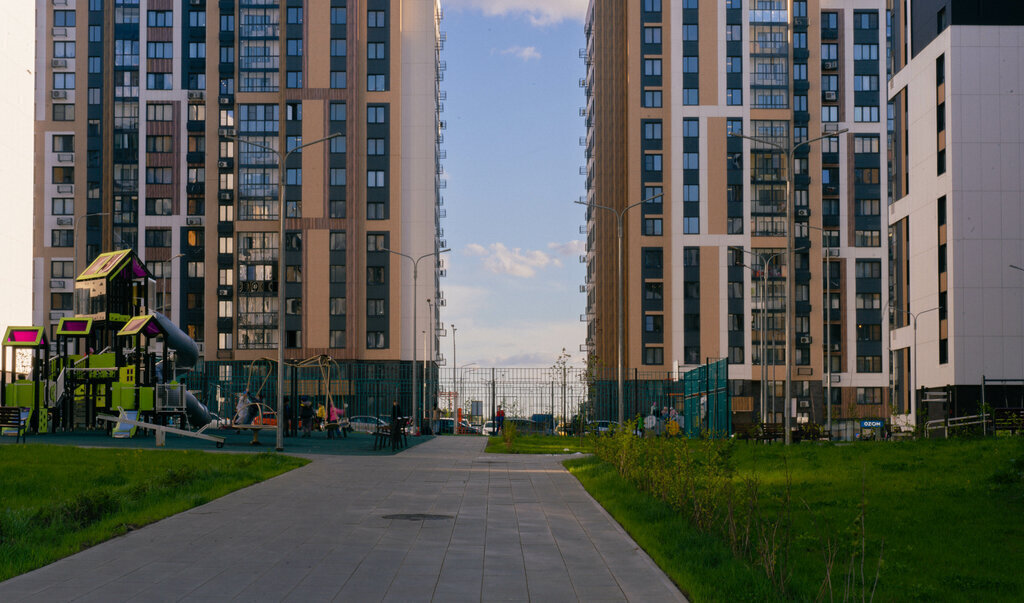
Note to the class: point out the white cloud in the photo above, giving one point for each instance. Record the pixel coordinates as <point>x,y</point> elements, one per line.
<point>523,52</point>
<point>525,344</point>
<point>539,12</point>
<point>569,248</point>
<point>499,259</point>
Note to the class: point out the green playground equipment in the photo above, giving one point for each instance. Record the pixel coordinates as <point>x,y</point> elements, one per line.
<point>103,363</point>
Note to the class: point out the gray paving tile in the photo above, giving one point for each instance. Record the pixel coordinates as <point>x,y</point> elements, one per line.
<point>521,529</point>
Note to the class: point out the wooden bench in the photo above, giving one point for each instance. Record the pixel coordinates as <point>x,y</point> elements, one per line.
<point>382,436</point>
<point>769,432</point>
<point>1008,419</point>
<point>10,418</point>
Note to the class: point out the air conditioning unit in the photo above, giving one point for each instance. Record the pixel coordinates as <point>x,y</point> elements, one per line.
<point>197,2</point>
<point>835,347</point>
<point>194,221</point>
<point>805,339</point>
<point>65,221</point>
<point>830,95</point>
<point>225,195</point>
<point>201,347</point>
<point>227,132</point>
<point>60,32</point>
<point>224,291</point>
<point>830,127</point>
<point>66,188</point>
<point>59,63</point>
<point>833,252</point>
<point>58,284</point>
<point>583,259</point>
<point>441,303</point>
<point>583,288</point>
<point>59,94</point>
<point>196,94</point>
<point>830,65</point>
<point>225,100</point>
<point>66,157</point>
<point>443,272</point>
<point>803,212</point>
<point>222,164</point>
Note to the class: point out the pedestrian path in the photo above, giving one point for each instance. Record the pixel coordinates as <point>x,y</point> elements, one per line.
<point>439,522</point>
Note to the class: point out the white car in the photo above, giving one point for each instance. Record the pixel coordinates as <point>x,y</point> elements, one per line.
<point>365,423</point>
<point>488,429</point>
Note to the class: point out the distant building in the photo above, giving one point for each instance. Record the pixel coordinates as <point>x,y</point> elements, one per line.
<point>667,82</point>
<point>143,111</point>
<point>955,216</point>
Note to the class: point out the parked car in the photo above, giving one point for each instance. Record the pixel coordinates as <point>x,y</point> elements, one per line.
<point>603,427</point>
<point>489,428</point>
<point>366,423</point>
<point>446,425</point>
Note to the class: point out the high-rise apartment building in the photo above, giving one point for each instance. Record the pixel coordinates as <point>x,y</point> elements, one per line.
<point>158,127</point>
<point>955,215</point>
<point>672,88</point>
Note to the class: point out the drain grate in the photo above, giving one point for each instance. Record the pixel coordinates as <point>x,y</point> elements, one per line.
<point>417,517</point>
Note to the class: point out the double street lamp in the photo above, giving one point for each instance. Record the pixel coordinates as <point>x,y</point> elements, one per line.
<point>789,151</point>
<point>619,214</point>
<point>412,339</point>
<point>766,262</point>
<point>282,160</point>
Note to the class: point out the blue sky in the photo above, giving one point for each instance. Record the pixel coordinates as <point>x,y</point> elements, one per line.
<point>512,169</point>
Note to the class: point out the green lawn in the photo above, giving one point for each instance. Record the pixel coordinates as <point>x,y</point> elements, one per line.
<point>947,516</point>
<point>57,500</point>
<point>540,444</point>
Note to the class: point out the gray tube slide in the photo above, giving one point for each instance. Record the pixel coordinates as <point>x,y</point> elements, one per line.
<point>188,353</point>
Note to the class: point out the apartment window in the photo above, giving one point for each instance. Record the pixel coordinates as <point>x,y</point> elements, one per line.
<point>653,291</point>
<point>734,64</point>
<point>62,269</point>
<point>376,18</point>
<point>376,82</point>
<point>652,98</point>
<point>375,114</point>
<point>338,111</point>
<point>652,227</point>
<point>63,80</point>
<point>865,144</point>
<point>63,18</point>
<point>376,242</point>
<point>160,18</point>
<point>62,206</point>
<point>337,338</point>
<point>862,83</point>
<point>869,364</point>
<point>338,176</point>
<point>734,96</point>
<point>690,65</point>
<point>197,19</point>
<point>652,162</point>
<point>869,395</point>
<point>869,332</point>
<point>375,275</point>
<point>158,81</point>
<point>375,307</point>
<point>160,206</point>
<point>294,48</point>
<point>654,323</point>
<point>652,131</point>
<point>63,112</point>
<point>869,301</point>
<point>196,269</point>
<point>338,273</point>
<point>64,50</point>
<point>159,144</point>
<point>733,33</point>
<point>652,6</point>
<point>339,79</point>
<point>865,20</point>
<point>227,23</point>
<point>691,96</point>
<point>691,225</point>
<point>295,15</point>
<point>829,52</point>
<point>691,161</point>
<point>653,355</point>
<point>867,207</point>
<point>829,113</point>
<point>196,50</point>
<point>865,52</point>
<point>653,66</point>
<point>869,269</point>
<point>865,114</point>
<point>375,340</point>
<point>61,301</point>
<point>691,33</point>
<point>339,16</point>
<point>375,179</point>
<point>158,237</point>
<point>866,238</point>
<point>62,237</point>
<point>337,208</point>
<point>865,175</point>
<point>652,35</point>
<point>224,341</point>
<point>63,175</point>
<point>159,175</point>
<point>339,47</point>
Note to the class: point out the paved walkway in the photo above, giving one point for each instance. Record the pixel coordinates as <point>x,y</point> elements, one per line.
<point>496,527</point>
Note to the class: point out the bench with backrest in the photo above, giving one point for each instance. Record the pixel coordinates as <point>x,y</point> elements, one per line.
<point>1008,419</point>
<point>382,436</point>
<point>10,418</point>
<point>769,432</point>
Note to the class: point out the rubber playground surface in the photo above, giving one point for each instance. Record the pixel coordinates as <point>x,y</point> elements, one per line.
<point>356,444</point>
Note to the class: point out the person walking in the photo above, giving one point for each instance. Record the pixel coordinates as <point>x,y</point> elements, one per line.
<point>396,428</point>
<point>306,416</point>
<point>333,417</point>
<point>500,415</point>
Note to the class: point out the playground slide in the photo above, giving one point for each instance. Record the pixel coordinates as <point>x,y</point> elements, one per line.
<point>188,353</point>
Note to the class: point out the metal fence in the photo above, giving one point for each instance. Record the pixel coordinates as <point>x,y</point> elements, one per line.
<point>547,395</point>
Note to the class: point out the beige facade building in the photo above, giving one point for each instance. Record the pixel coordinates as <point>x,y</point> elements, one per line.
<point>672,89</point>
<point>158,127</point>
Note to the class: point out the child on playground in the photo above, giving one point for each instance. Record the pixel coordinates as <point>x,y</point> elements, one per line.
<point>306,416</point>
<point>334,415</point>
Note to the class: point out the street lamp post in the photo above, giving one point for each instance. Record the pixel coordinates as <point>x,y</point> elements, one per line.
<point>455,385</point>
<point>74,262</point>
<point>827,313</point>
<point>913,377</point>
<point>619,286</point>
<point>766,261</point>
<point>282,160</point>
<point>415,275</point>
<point>789,151</point>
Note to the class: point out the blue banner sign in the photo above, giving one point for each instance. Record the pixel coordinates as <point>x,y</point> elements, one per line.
<point>872,423</point>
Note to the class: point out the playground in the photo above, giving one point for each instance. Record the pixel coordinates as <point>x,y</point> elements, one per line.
<point>121,374</point>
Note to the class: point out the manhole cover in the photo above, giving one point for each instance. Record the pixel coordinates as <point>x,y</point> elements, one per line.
<point>416,516</point>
